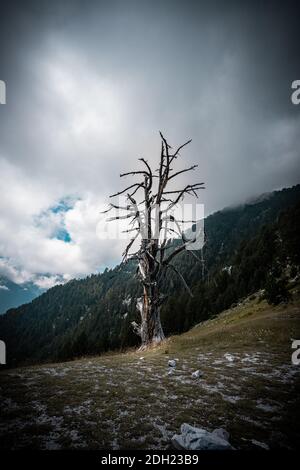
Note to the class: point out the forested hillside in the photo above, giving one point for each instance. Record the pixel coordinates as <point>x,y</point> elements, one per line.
<point>250,247</point>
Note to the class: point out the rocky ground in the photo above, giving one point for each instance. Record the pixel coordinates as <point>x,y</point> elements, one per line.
<point>248,386</point>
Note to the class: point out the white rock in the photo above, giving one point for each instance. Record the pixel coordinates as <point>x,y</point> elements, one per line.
<point>222,433</point>
<point>192,438</point>
<point>197,374</point>
<point>260,444</point>
<point>172,363</point>
<point>171,371</point>
<point>229,357</point>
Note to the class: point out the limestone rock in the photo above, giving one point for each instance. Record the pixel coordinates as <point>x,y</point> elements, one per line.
<point>197,374</point>
<point>192,438</point>
<point>172,363</point>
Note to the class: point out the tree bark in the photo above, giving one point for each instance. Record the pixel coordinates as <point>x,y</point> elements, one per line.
<point>151,329</point>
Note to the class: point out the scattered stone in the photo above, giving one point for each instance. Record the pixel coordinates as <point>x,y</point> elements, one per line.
<point>192,438</point>
<point>141,358</point>
<point>197,374</point>
<point>163,430</point>
<point>172,363</point>
<point>260,444</point>
<point>222,433</point>
<point>229,357</point>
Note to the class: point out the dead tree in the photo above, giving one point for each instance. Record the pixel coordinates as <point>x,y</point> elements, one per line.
<point>153,221</point>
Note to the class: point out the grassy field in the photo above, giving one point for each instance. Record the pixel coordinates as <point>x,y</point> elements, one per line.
<point>121,401</point>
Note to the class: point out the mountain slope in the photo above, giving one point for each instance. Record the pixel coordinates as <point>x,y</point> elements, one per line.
<point>266,261</point>
<point>12,295</point>
<point>249,386</point>
<point>93,315</point>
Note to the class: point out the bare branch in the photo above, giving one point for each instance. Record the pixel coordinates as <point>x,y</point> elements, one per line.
<point>113,206</point>
<point>133,173</point>
<point>181,147</point>
<point>118,217</point>
<point>130,230</point>
<point>147,165</point>
<point>126,189</point>
<point>187,190</point>
<point>183,171</point>
<point>178,250</point>
<point>125,253</point>
<point>182,278</point>
<point>195,256</point>
<point>167,146</point>
<point>141,185</point>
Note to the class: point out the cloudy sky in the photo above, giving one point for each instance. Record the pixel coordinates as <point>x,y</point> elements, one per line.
<point>90,83</point>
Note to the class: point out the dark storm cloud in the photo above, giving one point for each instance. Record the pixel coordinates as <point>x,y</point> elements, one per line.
<point>90,83</point>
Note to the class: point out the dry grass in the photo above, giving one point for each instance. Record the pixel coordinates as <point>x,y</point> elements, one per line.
<point>249,386</point>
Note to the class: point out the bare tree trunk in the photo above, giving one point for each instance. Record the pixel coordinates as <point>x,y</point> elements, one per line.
<point>151,329</point>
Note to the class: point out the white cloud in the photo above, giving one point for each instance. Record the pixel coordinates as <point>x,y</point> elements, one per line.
<point>77,117</point>
<point>4,288</point>
<point>29,237</point>
<point>90,103</point>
